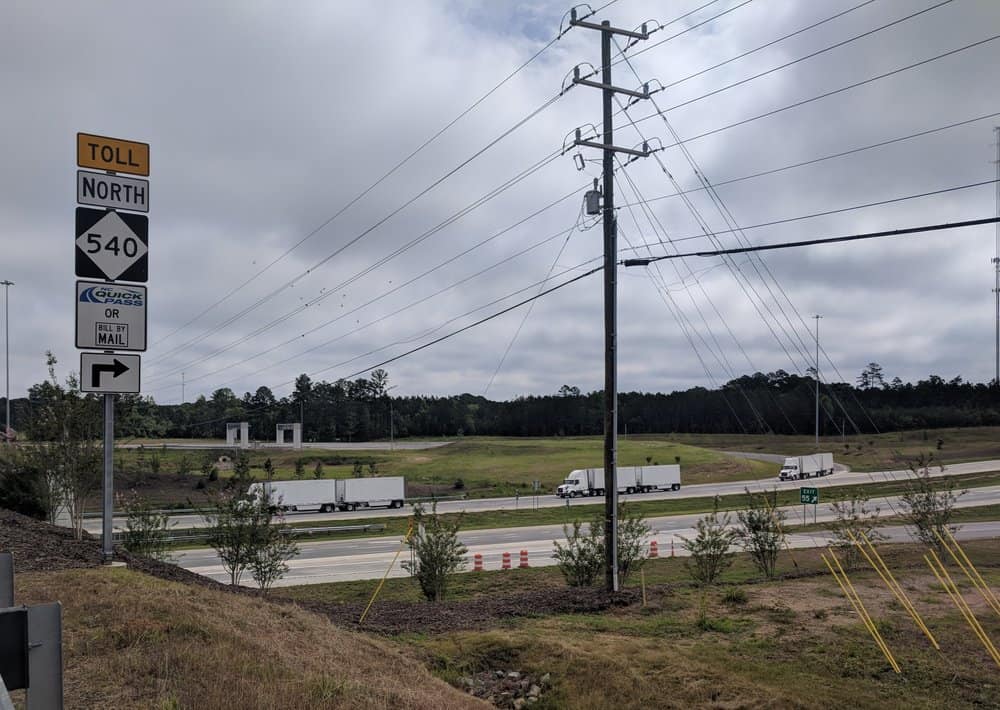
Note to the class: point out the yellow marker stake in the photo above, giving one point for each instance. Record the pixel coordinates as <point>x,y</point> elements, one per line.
<point>886,574</point>
<point>965,570</point>
<point>978,581</point>
<point>859,608</point>
<point>409,531</point>
<point>874,628</point>
<point>968,610</point>
<point>949,586</point>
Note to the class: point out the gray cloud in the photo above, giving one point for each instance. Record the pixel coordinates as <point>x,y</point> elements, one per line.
<point>265,119</point>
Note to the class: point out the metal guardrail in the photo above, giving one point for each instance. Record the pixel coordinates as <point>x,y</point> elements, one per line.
<point>201,534</point>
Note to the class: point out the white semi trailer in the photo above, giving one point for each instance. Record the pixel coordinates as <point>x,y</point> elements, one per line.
<point>301,496</point>
<point>631,479</point>
<point>798,467</point>
<point>327,496</point>
<point>384,492</point>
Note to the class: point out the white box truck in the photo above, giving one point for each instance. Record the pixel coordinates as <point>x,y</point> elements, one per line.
<point>798,467</point>
<point>383,491</point>
<point>298,495</point>
<point>631,479</point>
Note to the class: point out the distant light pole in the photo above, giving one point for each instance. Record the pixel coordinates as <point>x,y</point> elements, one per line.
<point>817,317</point>
<point>6,329</point>
<point>392,438</point>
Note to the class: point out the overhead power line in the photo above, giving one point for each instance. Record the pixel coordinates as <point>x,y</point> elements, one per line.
<point>763,46</point>
<point>823,95</point>
<point>830,156</point>
<point>822,240</point>
<point>839,210</point>
<point>462,114</point>
<point>479,322</point>
<point>811,55</point>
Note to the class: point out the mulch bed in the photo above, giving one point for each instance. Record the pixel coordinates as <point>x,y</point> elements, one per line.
<point>39,547</point>
<point>393,617</point>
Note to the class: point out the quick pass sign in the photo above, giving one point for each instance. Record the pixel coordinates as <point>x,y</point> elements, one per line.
<point>110,316</point>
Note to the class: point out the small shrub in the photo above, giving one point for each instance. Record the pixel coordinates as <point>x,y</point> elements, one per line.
<point>582,557</point>
<point>318,471</point>
<point>760,531</point>
<point>709,549</point>
<point>300,468</point>
<point>929,503</point>
<point>184,465</point>
<point>145,529</point>
<point>438,553</point>
<point>735,596</point>
<point>459,484</point>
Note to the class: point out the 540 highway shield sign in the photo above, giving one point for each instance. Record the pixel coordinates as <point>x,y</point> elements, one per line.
<point>112,245</point>
<point>110,316</point>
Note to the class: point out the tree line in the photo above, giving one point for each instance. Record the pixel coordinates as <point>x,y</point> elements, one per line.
<point>363,409</point>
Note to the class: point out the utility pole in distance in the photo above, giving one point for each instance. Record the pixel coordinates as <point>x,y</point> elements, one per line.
<point>610,279</point>
<point>996,271</point>
<point>6,329</point>
<point>817,317</point>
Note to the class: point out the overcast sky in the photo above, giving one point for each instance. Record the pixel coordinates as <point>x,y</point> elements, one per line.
<point>265,119</point>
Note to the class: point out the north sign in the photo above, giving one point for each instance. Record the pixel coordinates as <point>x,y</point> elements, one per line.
<point>114,154</point>
<point>109,373</point>
<point>110,316</point>
<point>112,191</point>
<point>111,245</point>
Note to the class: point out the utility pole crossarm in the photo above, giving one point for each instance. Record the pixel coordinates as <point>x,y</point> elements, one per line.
<point>644,153</point>
<point>641,34</point>
<point>577,79</point>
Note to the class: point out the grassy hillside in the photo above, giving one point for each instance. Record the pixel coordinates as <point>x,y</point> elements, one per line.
<point>134,641</point>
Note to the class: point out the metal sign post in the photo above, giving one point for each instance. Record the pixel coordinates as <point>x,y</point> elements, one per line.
<point>108,490</point>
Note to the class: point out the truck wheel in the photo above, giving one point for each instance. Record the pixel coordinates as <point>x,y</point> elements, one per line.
<point>675,487</point>
<point>396,504</point>
<point>629,490</point>
<point>324,508</point>
<point>573,494</point>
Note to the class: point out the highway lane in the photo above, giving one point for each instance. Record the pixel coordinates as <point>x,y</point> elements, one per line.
<point>702,490</point>
<point>368,558</point>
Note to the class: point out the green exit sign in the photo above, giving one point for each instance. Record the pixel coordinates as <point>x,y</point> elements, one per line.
<point>809,495</point>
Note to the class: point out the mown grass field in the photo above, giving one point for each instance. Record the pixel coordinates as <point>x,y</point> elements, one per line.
<point>476,467</point>
<point>874,452</point>
<point>746,643</point>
